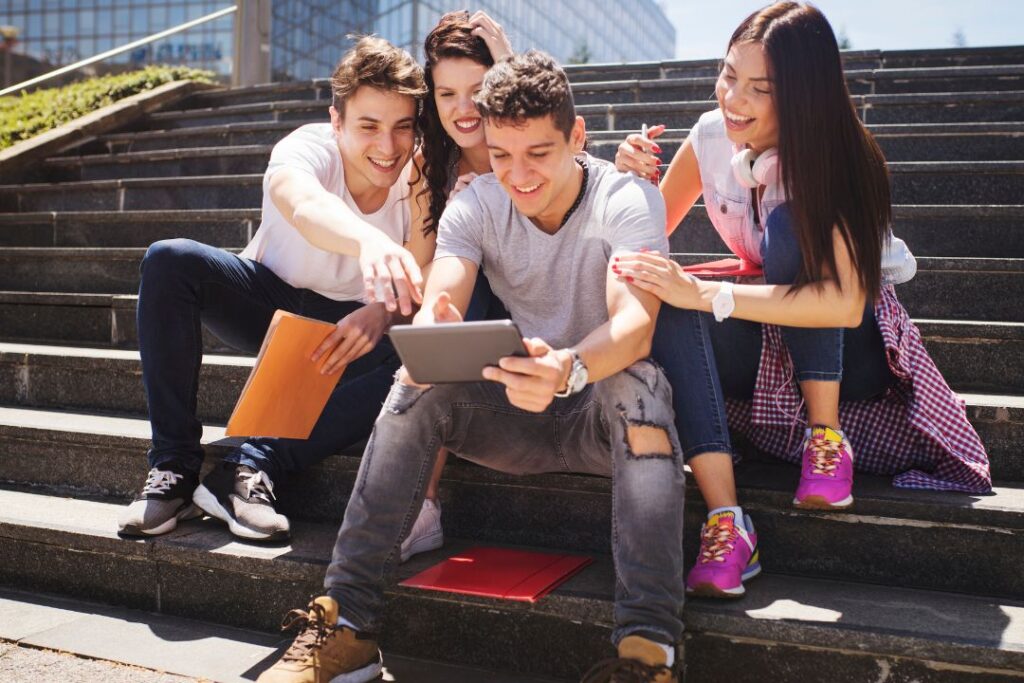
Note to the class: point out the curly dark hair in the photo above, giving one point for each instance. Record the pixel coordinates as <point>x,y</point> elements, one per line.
<point>528,86</point>
<point>452,37</point>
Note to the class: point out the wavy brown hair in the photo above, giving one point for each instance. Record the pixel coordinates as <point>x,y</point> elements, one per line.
<point>833,171</point>
<point>452,37</point>
<point>375,62</point>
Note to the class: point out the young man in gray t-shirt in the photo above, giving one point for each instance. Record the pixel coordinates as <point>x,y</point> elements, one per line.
<point>543,228</point>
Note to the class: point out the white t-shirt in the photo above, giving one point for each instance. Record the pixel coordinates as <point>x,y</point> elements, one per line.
<point>731,208</point>
<point>278,244</point>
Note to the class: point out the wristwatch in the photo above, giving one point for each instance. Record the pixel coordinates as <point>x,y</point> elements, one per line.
<point>577,376</point>
<point>723,303</point>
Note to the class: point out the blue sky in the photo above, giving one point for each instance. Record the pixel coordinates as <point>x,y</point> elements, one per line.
<point>703,28</point>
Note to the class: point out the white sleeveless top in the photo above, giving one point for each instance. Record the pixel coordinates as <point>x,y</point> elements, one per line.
<point>731,210</point>
<point>278,244</point>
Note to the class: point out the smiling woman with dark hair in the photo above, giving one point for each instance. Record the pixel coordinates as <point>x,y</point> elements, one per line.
<point>459,51</point>
<point>794,182</point>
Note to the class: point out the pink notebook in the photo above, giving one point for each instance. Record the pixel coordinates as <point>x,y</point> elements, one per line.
<point>500,573</point>
<point>726,267</point>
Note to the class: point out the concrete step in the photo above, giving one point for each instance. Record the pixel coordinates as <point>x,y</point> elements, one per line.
<point>573,512</point>
<point>315,89</point>
<point>859,82</point>
<point>933,182</point>
<point>135,645</point>
<point>67,545</point>
<point>881,109</point>
<point>978,231</point>
<point>673,83</point>
<point>93,229</point>
<point>961,107</point>
<point>231,134</point>
<point>852,60</point>
<point>137,194</point>
<point>973,356</point>
<point>954,56</point>
<point>939,143</point>
<point>59,376</point>
<point>899,142</point>
<point>200,161</point>
<point>944,288</point>
<point>930,230</point>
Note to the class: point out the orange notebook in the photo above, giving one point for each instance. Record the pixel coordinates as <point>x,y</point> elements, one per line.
<point>500,573</point>
<point>285,392</point>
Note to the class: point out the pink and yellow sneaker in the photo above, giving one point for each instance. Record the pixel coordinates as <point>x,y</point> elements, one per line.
<point>728,557</point>
<point>826,475</point>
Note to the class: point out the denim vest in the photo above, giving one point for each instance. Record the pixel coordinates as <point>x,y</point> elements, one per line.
<point>730,206</point>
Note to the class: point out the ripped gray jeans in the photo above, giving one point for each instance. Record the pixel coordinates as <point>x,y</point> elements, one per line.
<point>621,427</point>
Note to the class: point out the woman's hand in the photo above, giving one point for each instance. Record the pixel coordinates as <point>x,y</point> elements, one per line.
<point>637,154</point>
<point>492,34</point>
<point>461,184</point>
<point>666,279</point>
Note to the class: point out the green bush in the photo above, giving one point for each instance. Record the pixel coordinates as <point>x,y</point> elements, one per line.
<point>26,115</point>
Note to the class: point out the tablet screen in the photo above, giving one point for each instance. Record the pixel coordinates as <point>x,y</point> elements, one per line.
<point>444,353</point>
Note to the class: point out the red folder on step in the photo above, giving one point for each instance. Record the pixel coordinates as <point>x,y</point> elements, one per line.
<point>500,573</point>
<point>726,267</point>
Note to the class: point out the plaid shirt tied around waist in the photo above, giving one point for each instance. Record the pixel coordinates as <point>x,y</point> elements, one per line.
<point>917,431</point>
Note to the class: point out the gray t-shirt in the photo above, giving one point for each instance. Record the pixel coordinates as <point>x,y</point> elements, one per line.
<point>554,285</point>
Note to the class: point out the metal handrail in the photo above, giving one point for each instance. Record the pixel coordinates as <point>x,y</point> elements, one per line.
<point>118,50</point>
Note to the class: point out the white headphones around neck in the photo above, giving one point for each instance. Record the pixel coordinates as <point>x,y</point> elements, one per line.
<point>753,170</point>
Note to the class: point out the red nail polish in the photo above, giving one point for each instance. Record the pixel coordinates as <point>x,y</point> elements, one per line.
<point>644,249</point>
<point>629,278</point>
<point>657,150</point>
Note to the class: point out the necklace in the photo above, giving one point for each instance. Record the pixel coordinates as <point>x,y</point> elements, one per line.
<point>582,161</point>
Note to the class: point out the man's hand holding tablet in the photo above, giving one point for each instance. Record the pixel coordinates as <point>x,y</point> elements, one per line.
<point>434,352</point>
<point>531,382</point>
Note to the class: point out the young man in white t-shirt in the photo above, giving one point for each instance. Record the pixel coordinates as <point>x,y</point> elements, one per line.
<point>335,218</point>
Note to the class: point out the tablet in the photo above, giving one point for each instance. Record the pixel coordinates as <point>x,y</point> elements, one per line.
<point>446,353</point>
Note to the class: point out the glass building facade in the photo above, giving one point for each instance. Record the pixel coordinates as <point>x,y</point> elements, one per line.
<point>308,36</point>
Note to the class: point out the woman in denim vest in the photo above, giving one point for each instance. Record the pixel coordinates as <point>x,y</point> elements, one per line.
<point>795,185</point>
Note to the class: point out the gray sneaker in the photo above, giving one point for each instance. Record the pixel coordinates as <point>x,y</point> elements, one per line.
<point>243,498</point>
<point>166,497</point>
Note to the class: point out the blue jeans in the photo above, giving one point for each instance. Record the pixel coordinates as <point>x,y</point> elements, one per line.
<point>186,285</point>
<point>706,361</point>
<point>590,432</point>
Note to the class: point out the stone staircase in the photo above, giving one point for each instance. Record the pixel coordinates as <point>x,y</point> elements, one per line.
<point>909,586</point>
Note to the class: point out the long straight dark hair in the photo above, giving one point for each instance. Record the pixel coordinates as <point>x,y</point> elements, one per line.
<point>833,171</point>
<point>452,37</point>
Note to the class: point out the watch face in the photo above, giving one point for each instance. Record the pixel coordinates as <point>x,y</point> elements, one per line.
<point>578,376</point>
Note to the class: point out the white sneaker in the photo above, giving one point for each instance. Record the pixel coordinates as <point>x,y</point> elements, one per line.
<point>426,533</point>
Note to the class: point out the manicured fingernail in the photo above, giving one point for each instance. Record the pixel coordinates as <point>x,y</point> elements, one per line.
<point>629,278</point>
<point>657,150</point>
<point>644,249</point>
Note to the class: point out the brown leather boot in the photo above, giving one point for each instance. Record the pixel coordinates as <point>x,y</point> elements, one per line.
<point>640,661</point>
<point>324,651</point>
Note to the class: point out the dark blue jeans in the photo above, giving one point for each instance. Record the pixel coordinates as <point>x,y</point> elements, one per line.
<point>186,285</point>
<point>706,361</point>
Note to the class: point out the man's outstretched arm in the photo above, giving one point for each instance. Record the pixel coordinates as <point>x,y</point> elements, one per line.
<point>327,222</point>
